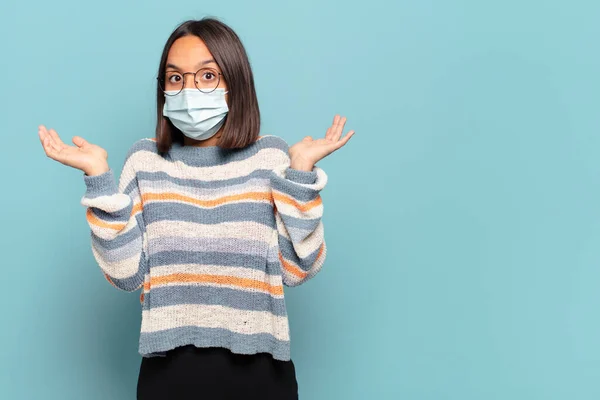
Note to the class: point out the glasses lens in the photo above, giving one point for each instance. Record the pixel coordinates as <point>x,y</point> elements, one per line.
<point>172,83</point>
<point>207,79</point>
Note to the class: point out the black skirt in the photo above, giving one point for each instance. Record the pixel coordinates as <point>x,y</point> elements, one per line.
<point>190,372</point>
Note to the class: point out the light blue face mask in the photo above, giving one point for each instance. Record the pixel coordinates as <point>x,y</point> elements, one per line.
<point>196,114</point>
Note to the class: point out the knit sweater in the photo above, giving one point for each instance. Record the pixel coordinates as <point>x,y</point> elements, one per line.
<point>211,236</point>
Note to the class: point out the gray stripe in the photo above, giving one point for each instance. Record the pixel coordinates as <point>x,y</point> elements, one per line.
<point>156,342</point>
<point>121,253</point>
<point>289,253</point>
<point>261,213</point>
<point>199,294</point>
<point>199,183</point>
<point>298,235</point>
<point>306,224</point>
<point>122,238</point>
<point>273,254</point>
<point>133,282</point>
<point>121,216</point>
<point>292,189</point>
<point>273,267</point>
<point>304,177</point>
<point>100,185</point>
<point>132,189</point>
<point>224,245</point>
<point>213,156</point>
<point>210,156</point>
<point>207,258</point>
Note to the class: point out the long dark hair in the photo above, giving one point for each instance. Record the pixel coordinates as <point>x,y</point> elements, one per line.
<point>242,124</point>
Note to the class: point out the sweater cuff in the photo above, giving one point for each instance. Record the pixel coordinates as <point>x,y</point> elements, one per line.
<point>301,185</point>
<point>304,177</point>
<point>100,185</point>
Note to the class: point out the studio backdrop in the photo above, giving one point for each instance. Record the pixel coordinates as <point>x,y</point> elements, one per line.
<point>462,220</point>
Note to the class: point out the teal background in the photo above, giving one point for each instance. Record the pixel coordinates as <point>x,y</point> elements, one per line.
<point>463,219</point>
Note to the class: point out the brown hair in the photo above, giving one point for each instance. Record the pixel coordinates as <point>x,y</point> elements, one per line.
<point>242,123</point>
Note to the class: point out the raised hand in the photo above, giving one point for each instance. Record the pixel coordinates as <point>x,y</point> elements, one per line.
<point>306,153</point>
<point>89,158</point>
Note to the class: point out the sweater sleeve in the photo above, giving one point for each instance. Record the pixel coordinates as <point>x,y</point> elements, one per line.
<point>114,214</point>
<point>298,213</point>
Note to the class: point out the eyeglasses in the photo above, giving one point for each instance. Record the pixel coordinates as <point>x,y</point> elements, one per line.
<point>206,80</point>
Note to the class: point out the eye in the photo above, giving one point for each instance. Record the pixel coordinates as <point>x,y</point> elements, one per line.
<point>209,76</point>
<point>173,78</point>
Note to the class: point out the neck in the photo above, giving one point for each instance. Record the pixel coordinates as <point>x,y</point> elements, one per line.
<point>203,143</point>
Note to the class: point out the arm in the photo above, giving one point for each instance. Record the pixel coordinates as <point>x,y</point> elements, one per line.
<point>299,209</point>
<point>114,214</point>
<point>298,213</point>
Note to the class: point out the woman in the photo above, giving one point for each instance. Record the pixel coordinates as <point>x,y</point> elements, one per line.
<point>211,220</point>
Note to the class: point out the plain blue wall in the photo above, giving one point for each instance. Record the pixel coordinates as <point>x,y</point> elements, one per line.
<point>463,220</point>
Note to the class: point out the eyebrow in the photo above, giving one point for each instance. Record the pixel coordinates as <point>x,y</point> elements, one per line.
<point>205,62</point>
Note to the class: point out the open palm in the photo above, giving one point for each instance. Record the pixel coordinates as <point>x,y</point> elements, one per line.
<point>309,151</point>
<point>85,156</point>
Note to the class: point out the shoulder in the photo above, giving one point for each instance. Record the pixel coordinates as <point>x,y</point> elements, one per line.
<point>274,148</point>
<point>274,142</point>
<point>138,148</point>
<point>145,144</point>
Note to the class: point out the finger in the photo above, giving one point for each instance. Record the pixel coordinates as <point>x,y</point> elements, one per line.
<point>53,145</point>
<point>43,132</point>
<point>341,143</point>
<point>49,149</point>
<point>330,129</point>
<point>339,129</point>
<point>45,138</point>
<point>79,141</point>
<point>346,138</point>
<point>55,137</point>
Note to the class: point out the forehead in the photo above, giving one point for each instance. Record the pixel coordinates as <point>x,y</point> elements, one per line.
<point>188,52</point>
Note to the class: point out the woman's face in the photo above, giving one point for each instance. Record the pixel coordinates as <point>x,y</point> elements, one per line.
<point>188,55</point>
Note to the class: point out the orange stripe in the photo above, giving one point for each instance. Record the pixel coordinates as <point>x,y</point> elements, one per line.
<point>218,279</point>
<point>142,298</point>
<point>136,208</point>
<point>291,268</point>
<point>108,279</point>
<point>302,207</point>
<point>207,203</point>
<point>92,219</point>
<point>321,249</point>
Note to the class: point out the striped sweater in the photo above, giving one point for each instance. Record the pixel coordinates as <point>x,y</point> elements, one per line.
<point>211,236</point>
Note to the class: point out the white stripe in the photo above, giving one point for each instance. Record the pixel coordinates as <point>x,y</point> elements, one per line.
<point>165,186</point>
<point>110,204</point>
<point>215,316</point>
<point>236,230</point>
<point>121,269</point>
<point>110,233</point>
<point>309,245</point>
<point>267,158</point>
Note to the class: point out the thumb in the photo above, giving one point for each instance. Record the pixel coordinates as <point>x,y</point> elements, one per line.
<point>79,141</point>
<point>307,138</point>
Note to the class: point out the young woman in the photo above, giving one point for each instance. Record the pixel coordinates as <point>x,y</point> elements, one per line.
<point>211,220</point>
